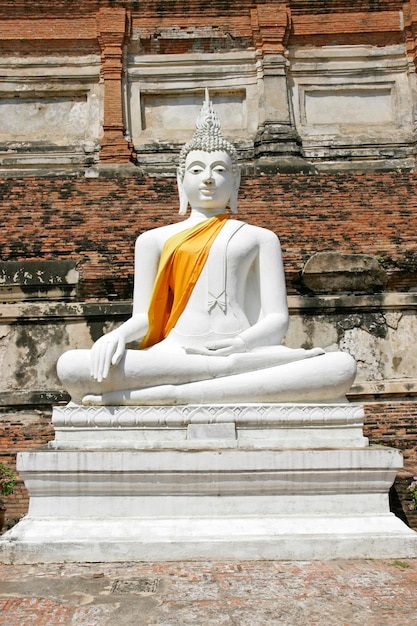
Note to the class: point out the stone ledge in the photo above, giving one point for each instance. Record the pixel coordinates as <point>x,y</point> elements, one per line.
<point>258,538</point>
<point>245,504</point>
<point>38,280</point>
<point>402,388</point>
<point>296,303</point>
<point>45,397</point>
<point>53,311</point>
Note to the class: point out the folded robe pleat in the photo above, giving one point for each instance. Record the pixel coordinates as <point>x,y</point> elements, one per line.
<point>182,259</point>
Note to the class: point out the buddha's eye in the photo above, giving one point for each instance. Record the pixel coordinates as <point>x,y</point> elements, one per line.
<point>195,169</point>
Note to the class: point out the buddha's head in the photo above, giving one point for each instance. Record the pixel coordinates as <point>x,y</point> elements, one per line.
<point>209,148</point>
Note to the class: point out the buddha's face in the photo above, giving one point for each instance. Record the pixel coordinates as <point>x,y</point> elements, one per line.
<point>208,180</point>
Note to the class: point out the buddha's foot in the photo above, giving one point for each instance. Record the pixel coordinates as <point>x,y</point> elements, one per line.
<point>92,400</point>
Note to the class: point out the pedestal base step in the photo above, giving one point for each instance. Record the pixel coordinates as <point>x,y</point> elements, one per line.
<point>289,425</point>
<point>197,482</point>
<point>256,538</point>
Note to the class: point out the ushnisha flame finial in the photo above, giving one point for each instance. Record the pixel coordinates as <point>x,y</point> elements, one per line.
<point>208,122</point>
<point>207,136</point>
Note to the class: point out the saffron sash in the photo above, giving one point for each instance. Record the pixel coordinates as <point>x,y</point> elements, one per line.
<point>182,259</point>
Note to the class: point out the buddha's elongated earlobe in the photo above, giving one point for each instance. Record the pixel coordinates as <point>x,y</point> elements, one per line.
<point>182,195</point>
<point>233,197</point>
<point>233,202</point>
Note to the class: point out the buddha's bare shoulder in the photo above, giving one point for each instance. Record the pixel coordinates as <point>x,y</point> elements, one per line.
<point>260,233</point>
<point>158,236</point>
<point>160,231</point>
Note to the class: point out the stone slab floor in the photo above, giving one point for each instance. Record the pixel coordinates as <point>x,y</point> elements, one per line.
<point>366,592</point>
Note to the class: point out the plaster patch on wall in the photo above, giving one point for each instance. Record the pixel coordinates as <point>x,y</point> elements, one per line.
<point>163,94</point>
<point>50,111</point>
<point>4,347</point>
<point>347,105</point>
<point>365,349</point>
<point>309,332</point>
<point>387,356</point>
<point>29,358</point>
<point>352,103</point>
<point>393,318</point>
<point>49,118</point>
<point>179,111</point>
<point>77,336</point>
<point>401,347</point>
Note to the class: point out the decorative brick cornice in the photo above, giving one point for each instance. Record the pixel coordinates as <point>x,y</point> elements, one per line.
<point>271,27</point>
<point>410,28</point>
<point>378,28</point>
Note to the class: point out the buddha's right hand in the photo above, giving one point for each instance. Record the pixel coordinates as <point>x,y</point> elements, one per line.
<point>107,351</point>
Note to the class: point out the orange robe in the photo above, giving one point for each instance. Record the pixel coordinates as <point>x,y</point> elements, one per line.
<point>182,259</point>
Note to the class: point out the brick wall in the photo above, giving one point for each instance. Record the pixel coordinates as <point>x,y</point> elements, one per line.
<point>22,429</point>
<point>394,424</point>
<point>42,26</point>
<point>96,221</point>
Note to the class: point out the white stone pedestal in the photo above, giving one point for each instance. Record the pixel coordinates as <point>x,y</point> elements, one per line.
<point>208,482</point>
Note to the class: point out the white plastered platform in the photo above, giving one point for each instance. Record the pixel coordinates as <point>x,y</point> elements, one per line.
<point>208,482</point>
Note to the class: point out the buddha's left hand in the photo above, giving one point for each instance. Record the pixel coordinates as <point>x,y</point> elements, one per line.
<point>222,347</point>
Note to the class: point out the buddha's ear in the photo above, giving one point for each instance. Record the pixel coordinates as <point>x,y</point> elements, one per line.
<point>182,195</point>
<point>233,197</point>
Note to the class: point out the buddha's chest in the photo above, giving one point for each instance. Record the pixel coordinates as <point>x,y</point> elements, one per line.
<point>232,260</point>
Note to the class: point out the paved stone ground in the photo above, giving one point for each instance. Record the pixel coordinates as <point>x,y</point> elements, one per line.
<point>342,593</point>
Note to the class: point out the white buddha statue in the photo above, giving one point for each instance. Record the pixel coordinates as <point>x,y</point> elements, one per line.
<point>209,307</point>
